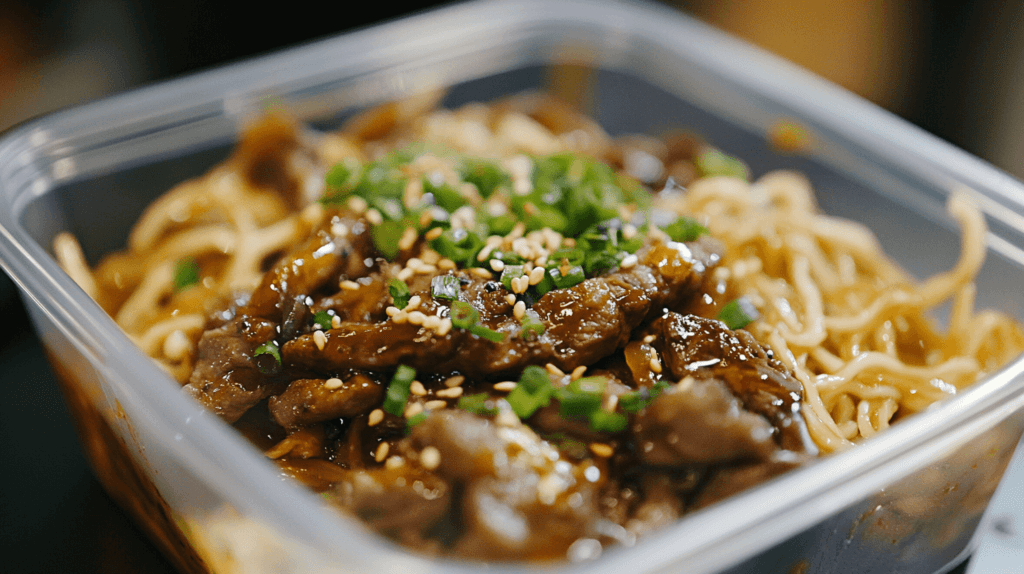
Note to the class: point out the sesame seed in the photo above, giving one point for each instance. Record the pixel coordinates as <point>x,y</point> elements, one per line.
<point>655,363</point>
<point>332,383</point>
<point>482,273</point>
<point>484,253</point>
<point>537,275</point>
<point>497,265</point>
<point>517,231</point>
<point>455,381</point>
<point>685,383</point>
<point>320,339</point>
<point>405,274</point>
<point>335,322</point>
<point>417,317</point>
<point>357,204</point>
<point>408,239</point>
<point>519,310</point>
<point>394,463</point>
<point>426,269</point>
<point>520,284</point>
<point>392,311</point>
<point>350,285</point>
<point>650,339</point>
<point>505,386</point>
<point>382,452</point>
<point>417,389</point>
<point>452,393</point>
<point>432,322</point>
<point>554,370</point>
<point>435,404</point>
<point>176,345</point>
<point>611,402</point>
<point>602,450</point>
<point>430,257</point>
<point>413,409</point>
<point>628,261</point>
<point>414,263</point>
<point>493,241</point>
<point>578,372</point>
<point>376,415</point>
<point>444,327</point>
<point>446,264</point>
<point>529,208</point>
<point>568,242</point>
<point>510,299</point>
<point>507,419</point>
<point>374,217</point>
<point>430,458</point>
<point>414,303</point>
<point>339,229</point>
<point>434,233</point>
<point>628,231</point>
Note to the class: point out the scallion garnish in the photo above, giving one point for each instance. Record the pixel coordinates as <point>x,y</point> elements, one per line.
<point>581,397</point>
<point>399,292</point>
<point>604,421</point>
<point>267,357</point>
<point>509,273</point>
<point>572,276</point>
<point>398,390</point>
<point>532,326</point>
<point>738,313</point>
<point>478,404</point>
<point>533,392</point>
<point>322,320</point>
<point>386,236</point>
<point>714,162</point>
<point>415,420</point>
<point>685,229</point>
<point>465,316</point>
<point>186,273</point>
<point>445,287</point>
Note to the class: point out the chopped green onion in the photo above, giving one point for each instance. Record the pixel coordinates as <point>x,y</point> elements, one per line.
<point>485,175</point>
<point>464,315</point>
<point>573,276</point>
<point>322,320</point>
<point>399,292</point>
<point>582,396</point>
<point>398,390</point>
<point>634,401</point>
<point>533,328</point>
<point>571,255</point>
<point>524,404</point>
<point>459,245</point>
<point>487,333</point>
<point>533,392</point>
<point>600,262</point>
<point>186,273</point>
<point>535,379</point>
<point>445,287</point>
<point>478,404</point>
<point>386,237</point>
<point>685,229</point>
<point>415,420</point>
<point>509,273</point>
<point>738,313</point>
<point>714,162</point>
<point>446,197</point>
<point>267,357</point>
<point>604,421</point>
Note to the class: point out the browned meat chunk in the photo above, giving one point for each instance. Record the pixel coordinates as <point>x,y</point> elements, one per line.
<point>403,503</point>
<point>707,349</point>
<point>308,401</point>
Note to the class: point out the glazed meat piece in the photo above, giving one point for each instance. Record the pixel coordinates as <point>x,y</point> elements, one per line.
<point>308,401</point>
<point>404,503</point>
<point>701,348</point>
<point>582,323</point>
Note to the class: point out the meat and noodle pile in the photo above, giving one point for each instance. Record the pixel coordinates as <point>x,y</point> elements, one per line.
<point>498,333</point>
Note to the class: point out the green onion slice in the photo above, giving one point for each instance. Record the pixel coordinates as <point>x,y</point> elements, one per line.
<point>399,292</point>
<point>509,273</point>
<point>738,313</point>
<point>268,358</point>
<point>186,273</point>
<point>415,420</point>
<point>398,390</point>
<point>533,328</point>
<point>604,421</point>
<point>573,276</point>
<point>322,320</point>
<point>478,404</point>
<point>685,229</point>
<point>464,315</point>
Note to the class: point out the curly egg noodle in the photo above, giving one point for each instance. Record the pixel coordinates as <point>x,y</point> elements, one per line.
<point>846,320</point>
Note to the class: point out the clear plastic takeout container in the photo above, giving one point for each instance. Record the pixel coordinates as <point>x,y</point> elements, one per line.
<point>908,500</point>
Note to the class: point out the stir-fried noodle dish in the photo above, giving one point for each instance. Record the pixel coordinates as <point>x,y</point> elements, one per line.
<point>498,333</point>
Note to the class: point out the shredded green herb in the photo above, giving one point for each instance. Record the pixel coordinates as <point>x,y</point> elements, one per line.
<point>465,316</point>
<point>398,390</point>
<point>322,320</point>
<point>533,392</point>
<point>186,274</point>
<point>399,292</point>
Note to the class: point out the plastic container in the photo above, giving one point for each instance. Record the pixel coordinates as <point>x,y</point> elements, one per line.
<point>906,501</point>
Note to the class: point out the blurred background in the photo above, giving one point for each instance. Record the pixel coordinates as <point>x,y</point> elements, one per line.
<point>955,69</point>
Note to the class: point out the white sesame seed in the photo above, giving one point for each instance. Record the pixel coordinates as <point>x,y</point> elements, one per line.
<point>655,363</point>
<point>176,345</point>
<point>454,381</point>
<point>405,274</point>
<point>349,285</point>
<point>376,415</point>
<point>628,231</point>
<point>357,204</point>
<point>430,458</point>
<point>628,261</point>
<point>444,327</point>
<point>446,264</point>
<point>519,310</point>
<point>433,233</point>
<point>482,273</point>
<point>374,217</point>
<point>602,450</point>
<point>578,372</point>
<point>332,383</point>
<point>537,275</point>
<point>418,389</point>
<point>413,409</point>
<point>432,322</point>
<point>391,311</point>
<point>417,317</point>
<point>505,386</point>
<point>408,239</point>
<point>430,257</point>
<point>510,299</point>
<point>394,463</point>
<point>484,253</point>
<point>435,404</point>
<point>401,318</point>
<point>554,370</point>
<point>426,269</point>
<point>320,339</point>
<point>506,419</point>
<point>414,303</point>
<point>452,393</point>
<point>382,452</point>
<point>335,322</point>
<point>650,339</point>
<point>339,229</point>
<point>497,265</point>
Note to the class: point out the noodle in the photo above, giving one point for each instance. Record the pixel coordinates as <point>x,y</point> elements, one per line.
<point>850,324</point>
